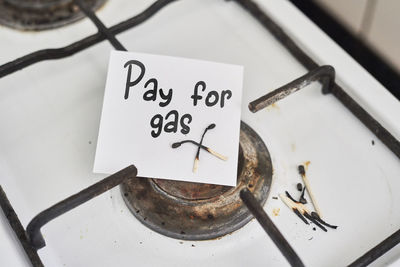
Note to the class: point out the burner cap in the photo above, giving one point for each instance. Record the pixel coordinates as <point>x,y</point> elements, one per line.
<point>41,14</point>
<point>194,211</point>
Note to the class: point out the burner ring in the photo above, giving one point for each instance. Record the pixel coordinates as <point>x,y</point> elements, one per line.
<point>36,15</point>
<point>192,211</point>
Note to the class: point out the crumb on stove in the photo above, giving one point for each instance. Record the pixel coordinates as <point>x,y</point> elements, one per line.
<point>274,197</point>
<point>293,147</point>
<point>276,211</point>
<point>307,163</point>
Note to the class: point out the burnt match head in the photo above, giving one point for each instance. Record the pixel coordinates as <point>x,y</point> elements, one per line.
<point>211,126</point>
<point>177,144</point>
<point>302,171</point>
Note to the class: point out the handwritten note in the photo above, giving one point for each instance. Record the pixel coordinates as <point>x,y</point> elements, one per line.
<point>173,118</point>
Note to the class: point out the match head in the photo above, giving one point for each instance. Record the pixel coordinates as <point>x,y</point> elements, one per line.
<point>175,145</point>
<point>211,126</point>
<point>302,171</point>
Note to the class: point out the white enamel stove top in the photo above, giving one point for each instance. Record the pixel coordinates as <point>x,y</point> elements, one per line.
<point>50,112</point>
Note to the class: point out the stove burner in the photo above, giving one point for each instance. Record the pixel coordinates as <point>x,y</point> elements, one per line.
<point>195,211</point>
<point>35,15</point>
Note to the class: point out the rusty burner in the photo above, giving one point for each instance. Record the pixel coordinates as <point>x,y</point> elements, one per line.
<point>35,15</point>
<point>194,211</point>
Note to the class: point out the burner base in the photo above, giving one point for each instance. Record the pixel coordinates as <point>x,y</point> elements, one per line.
<point>193,211</point>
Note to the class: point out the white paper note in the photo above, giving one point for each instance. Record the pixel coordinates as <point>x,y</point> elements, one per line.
<point>152,102</point>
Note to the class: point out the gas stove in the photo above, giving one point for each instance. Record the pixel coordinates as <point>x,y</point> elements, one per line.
<point>346,136</point>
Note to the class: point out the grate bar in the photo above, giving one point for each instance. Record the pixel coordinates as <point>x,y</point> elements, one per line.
<point>373,125</point>
<point>257,210</point>
<point>57,53</point>
<point>33,229</point>
<point>100,25</point>
<point>377,251</point>
<point>19,230</point>
<point>326,74</point>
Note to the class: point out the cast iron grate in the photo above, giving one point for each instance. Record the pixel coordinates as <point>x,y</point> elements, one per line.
<point>31,238</point>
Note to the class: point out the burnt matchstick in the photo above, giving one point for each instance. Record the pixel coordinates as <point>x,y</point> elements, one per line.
<point>298,208</point>
<point>308,216</point>
<point>196,159</point>
<point>209,150</point>
<point>301,211</point>
<point>316,217</point>
<point>302,200</point>
<point>290,197</point>
<point>302,172</point>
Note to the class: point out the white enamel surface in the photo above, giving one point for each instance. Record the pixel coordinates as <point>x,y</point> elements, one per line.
<point>50,113</point>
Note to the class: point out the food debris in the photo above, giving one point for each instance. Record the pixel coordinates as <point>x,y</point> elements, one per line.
<point>307,163</point>
<point>274,197</point>
<point>276,211</point>
<point>293,147</point>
